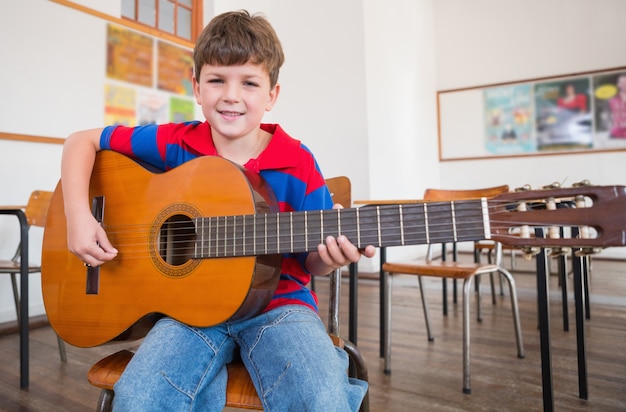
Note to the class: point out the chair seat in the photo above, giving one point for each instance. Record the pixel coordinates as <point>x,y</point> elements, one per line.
<point>240,390</point>
<point>437,268</point>
<point>108,370</point>
<point>10,266</point>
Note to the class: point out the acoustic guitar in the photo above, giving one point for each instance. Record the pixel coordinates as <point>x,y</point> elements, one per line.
<point>202,243</point>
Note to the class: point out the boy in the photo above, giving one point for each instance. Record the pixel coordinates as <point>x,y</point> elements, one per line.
<point>286,349</point>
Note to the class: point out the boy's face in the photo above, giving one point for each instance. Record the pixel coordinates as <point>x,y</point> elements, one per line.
<point>234,98</point>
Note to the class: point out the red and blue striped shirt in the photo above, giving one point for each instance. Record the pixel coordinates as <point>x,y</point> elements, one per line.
<point>286,165</point>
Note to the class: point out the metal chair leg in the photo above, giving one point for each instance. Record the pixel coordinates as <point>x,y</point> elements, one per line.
<point>105,402</point>
<point>387,316</point>
<point>425,308</point>
<point>16,300</point>
<point>466,336</point>
<point>515,309</point>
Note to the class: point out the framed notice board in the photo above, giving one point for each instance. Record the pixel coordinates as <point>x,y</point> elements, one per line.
<point>552,115</point>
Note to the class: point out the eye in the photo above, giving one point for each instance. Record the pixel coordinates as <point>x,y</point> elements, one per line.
<point>215,81</point>
<point>250,84</point>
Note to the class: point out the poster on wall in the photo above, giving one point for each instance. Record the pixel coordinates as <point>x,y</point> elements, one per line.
<point>508,119</point>
<point>181,110</point>
<point>129,56</point>
<point>563,114</point>
<point>152,108</point>
<point>119,105</point>
<point>175,68</point>
<point>609,97</point>
<point>572,113</point>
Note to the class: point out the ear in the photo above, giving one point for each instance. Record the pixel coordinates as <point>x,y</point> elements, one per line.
<point>196,88</point>
<point>273,96</point>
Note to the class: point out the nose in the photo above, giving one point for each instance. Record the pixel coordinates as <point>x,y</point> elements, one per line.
<point>232,92</point>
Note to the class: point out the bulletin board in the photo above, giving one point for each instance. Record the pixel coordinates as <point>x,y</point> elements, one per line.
<point>552,115</point>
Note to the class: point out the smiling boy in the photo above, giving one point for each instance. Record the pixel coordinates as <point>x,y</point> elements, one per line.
<point>286,349</point>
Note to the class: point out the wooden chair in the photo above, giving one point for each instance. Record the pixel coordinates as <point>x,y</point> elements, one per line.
<point>36,212</point>
<point>450,270</point>
<point>240,391</point>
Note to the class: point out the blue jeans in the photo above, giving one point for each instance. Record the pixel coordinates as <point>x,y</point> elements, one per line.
<point>287,351</point>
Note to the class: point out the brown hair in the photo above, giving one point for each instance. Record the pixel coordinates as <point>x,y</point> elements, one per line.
<point>235,38</point>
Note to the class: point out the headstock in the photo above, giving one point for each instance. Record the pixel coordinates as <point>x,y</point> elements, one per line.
<point>582,216</point>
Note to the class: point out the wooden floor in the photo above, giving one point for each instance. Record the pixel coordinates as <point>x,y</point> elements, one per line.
<point>425,376</point>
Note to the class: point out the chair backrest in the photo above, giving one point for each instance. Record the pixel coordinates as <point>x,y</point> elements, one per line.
<point>434,195</point>
<point>340,190</point>
<point>37,208</point>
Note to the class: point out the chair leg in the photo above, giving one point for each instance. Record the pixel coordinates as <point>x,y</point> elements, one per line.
<point>358,369</point>
<point>493,289</point>
<point>466,335</point>
<point>105,402</point>
<point>515,309</point>
<point>425,309</point>
<point>387,312</point>
<point>62,351</point>
<point>16,300</point>
<point>16,296</point>
<point>479,313</point>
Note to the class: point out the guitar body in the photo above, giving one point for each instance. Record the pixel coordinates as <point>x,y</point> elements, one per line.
<point>146,281</point>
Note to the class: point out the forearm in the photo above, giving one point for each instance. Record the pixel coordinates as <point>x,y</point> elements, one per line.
<point>79,152</point>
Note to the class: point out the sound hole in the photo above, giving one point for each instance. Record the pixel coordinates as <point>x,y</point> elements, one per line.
<point>177,239</point>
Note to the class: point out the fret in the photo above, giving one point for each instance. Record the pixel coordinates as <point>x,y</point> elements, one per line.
<point>484,205</point>
<point>278,236</point>
<point>453,220</point>
<point>306,230</point>
<point>401,224</point>
<point>291,232</point>
<point>265,224</point>
<point>358,228</point>
<point>380,241</point>
<point>339,222</point>
<point>254,249</point>
<point>243,235</point>
<point>426,223</point>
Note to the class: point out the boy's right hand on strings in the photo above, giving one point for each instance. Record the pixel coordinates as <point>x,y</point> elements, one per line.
<point>88,241</point>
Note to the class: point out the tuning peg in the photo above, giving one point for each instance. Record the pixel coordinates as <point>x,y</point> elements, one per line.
<point>524,188</point>
<point>529,251</point>
<point>586,251</point>
<point>582,183</point>
<point>559,251</point>
<point>555,185</point>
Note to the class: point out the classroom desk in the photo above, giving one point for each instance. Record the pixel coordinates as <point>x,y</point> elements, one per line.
<point>18,211</point>
<point>543,312</point>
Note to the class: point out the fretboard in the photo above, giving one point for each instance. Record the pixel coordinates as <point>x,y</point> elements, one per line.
<point>381,226</point>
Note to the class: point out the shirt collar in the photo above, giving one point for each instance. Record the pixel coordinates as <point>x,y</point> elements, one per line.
<point>279,153</point>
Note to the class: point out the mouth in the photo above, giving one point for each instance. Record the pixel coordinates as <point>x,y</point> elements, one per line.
<point>229,114</point>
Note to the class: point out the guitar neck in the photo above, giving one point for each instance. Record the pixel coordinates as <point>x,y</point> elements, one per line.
<point>381,226</point>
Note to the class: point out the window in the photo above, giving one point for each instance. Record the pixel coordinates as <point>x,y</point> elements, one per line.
<point>175,17</point>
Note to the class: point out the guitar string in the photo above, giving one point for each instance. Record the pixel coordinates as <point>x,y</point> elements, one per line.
<point>139,234</point>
